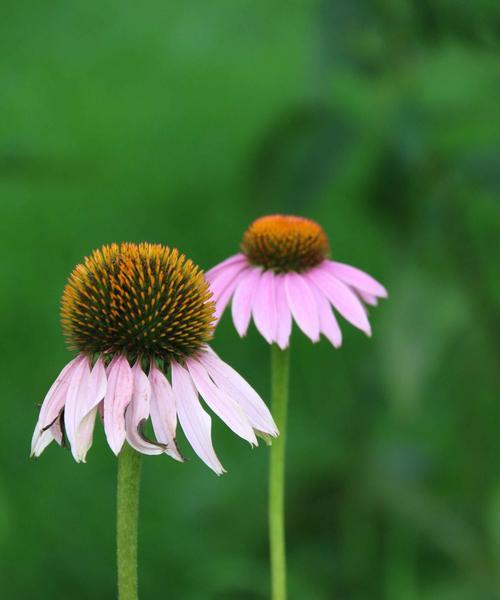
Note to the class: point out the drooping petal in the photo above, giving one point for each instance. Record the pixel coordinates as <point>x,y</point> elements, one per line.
<point>223,405</point>
<point>52,407</point>
<point>223,278</point>
<point>163,411</point>
<point>302,304</point>
<point>118,397</point>
<point>232,260</point>
<point>342,298</point>
<point>77,391</point>
<point>264,307</point>
<point>86,389</point>
<point>243,299</point>
<point>195,422</point>
<point>225,297</point>
<point>56,430</point>
<point>137,413</point>
<point>356,278</point>
<point>283,314</point>
<point>368,298</point>
<point>231,382</point>
<point>84,436</point>
<point>327,321</point>
<point>44,438</point>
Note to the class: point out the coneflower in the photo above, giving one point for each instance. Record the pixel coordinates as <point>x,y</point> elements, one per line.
<point>283,274</point>
<point>135,313</point>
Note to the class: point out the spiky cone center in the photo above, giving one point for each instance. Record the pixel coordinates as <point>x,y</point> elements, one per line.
<point>140,300</point>
<point>285,243</point>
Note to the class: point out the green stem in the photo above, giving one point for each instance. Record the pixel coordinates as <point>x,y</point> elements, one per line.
<point>127,510</point>
<point>280,367</point>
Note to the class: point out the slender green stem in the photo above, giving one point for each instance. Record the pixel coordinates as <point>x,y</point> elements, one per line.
<point>280,367</point>
<point>127,511</point>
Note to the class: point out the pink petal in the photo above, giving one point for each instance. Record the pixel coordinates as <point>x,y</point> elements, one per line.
<point>302,304</point>
<point>138,413</point>
<point>264,307</point>
<point>232,260</point>
<point>233,384</point>
<point>243,298</point>
<point>356,278</point>
<point>342,298</point>
<point>56,431</point>
<point>52,407</point>
<point>97,385</point>
<point>43,439</point>
<point>283,314</point>
<point>225,277</point>
<point>163,411</point>
<point>84,436</point>
<point>223,301</point>
<point>118,397</point>
<point>222,405</point>
<point>195,422</point>
<point>327,321</point>
<point>86,389</point>
<point>368,298</point>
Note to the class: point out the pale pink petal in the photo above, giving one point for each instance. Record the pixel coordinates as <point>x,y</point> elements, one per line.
<point>327,321</point>
<point>232,260</point>
<point>283,314</point>
<point>52,407</point>
<point>356,278</point>
<point>118,397</point>
<point>38,444</point>
<point>84,436</point>
<point>223,405</point>
<point>76,391</point>
<point>264,307</point>
<point>368,298</point>
<point>137,413</point>
<point>341,296</point>
<point>56,431</point>
<point>163,411</point>
<point>231,382</point>
<point>224,278</point>
<point>302,304</point>
<point>225,297</point>
<point>195,422</point>
<point>86,389</point>
<point>243,298</point>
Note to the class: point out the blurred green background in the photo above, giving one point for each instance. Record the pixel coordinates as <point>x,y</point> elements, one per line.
<point>180,122</point>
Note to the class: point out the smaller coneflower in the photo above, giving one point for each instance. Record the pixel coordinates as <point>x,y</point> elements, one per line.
<point>135,313</point>
<point>283,274</point>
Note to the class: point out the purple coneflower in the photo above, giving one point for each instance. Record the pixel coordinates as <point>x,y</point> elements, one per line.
<point>134,313</point>
<point>282,274</point>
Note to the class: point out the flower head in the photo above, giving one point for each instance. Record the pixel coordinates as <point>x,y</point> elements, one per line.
<point>285,243</point>
<point>283,273</point>
<point>134,313</point>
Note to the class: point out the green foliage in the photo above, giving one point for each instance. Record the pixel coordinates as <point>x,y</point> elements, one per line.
<point>180,123</point>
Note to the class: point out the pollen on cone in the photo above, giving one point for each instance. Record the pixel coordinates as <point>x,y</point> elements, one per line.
<point>137,299</point>
<point>285,243</point>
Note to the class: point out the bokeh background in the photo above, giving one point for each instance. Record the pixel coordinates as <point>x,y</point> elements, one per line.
<point>180,122</point>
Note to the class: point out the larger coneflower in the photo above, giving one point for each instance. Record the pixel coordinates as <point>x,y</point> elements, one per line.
<point>134,313</point>
<point>283,273</point>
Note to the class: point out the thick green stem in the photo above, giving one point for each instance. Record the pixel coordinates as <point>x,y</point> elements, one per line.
<point>127,511</point>
<point>280,367</point>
